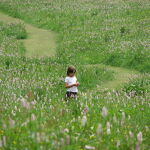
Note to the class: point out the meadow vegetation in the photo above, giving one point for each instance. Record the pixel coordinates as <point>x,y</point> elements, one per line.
<point>33,113</point>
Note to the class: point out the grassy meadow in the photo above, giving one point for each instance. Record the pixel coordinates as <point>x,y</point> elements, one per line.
<point>33,113</point>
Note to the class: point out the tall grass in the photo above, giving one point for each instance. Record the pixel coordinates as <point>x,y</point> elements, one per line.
<point>33,113</point>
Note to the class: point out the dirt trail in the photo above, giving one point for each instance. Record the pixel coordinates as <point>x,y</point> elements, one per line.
<point>39,43</point>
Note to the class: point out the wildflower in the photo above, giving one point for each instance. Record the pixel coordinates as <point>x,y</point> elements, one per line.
<point>66,130</point>
<point>84,120</point>
<point>13,113</point>
<point>4,140</point>
<point>137,146</point>
<point>67,139</point>
<point>1,145</point>
<point>62,141</point>
<point>33,102</point>
<point>139,137</point>
<point>24,103</point>
<point>131,134</point>
<point>147,129</point>
<point>33,117</point>
<point>129,117</point>
<point>104,111</point>
<point>11,123</point>
<point>99,130</point>
<point>123,118</point>
<point>38,137</point>
<point>89,147</point>
<point>15,107</point>
<point>108,128</point>
<point>118,143</point>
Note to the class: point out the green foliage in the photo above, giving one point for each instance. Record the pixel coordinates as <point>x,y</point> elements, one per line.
<point>33,113</point>
<point>139,86</point>
<point>17,30</point>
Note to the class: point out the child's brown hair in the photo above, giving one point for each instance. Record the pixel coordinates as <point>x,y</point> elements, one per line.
<point>71,69</point>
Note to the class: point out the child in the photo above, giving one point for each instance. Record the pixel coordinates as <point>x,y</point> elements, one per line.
<point>71,83</point>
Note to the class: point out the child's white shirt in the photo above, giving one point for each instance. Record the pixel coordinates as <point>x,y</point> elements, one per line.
<point>70,81</point>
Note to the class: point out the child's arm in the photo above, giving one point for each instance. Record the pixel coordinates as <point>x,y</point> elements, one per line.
<point>69,86</point>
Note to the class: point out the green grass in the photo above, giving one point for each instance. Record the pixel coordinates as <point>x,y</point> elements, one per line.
<point>33,113</point>
<point>38,42</point>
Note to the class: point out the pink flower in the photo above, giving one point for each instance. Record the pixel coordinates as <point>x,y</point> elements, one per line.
<point>25,103</point>
<point>104,111</point>
<point>67,139</point>
<point>33,117</point>
<point>139,137</point>
<point>12,123</point>
<point>137,146</point>
<point>33,102</point>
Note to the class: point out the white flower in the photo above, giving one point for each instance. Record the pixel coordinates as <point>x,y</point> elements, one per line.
<point>108,128</point>
<point>131,134</point>
<point>84,120</point>
<point>66,130</point>
<point>89,147</point>
<point>123,118</point>
<point>104,111</point>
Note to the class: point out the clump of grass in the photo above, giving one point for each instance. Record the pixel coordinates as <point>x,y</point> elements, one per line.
<point>9,43</point>
<point>16,30</point>
<point>139,86</point>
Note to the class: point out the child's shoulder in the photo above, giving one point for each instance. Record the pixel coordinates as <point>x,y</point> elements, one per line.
<point>66,77</point>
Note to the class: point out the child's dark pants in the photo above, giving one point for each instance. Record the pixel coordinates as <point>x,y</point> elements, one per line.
<point>71,94</point>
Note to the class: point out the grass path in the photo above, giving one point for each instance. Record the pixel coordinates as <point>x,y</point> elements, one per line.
<point>39,43</point>
<point>121,76</point>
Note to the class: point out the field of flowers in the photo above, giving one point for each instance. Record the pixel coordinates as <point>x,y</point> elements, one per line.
<point>33,113</point>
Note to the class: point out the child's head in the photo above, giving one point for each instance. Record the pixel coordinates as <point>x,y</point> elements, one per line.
<point>71,71</point>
